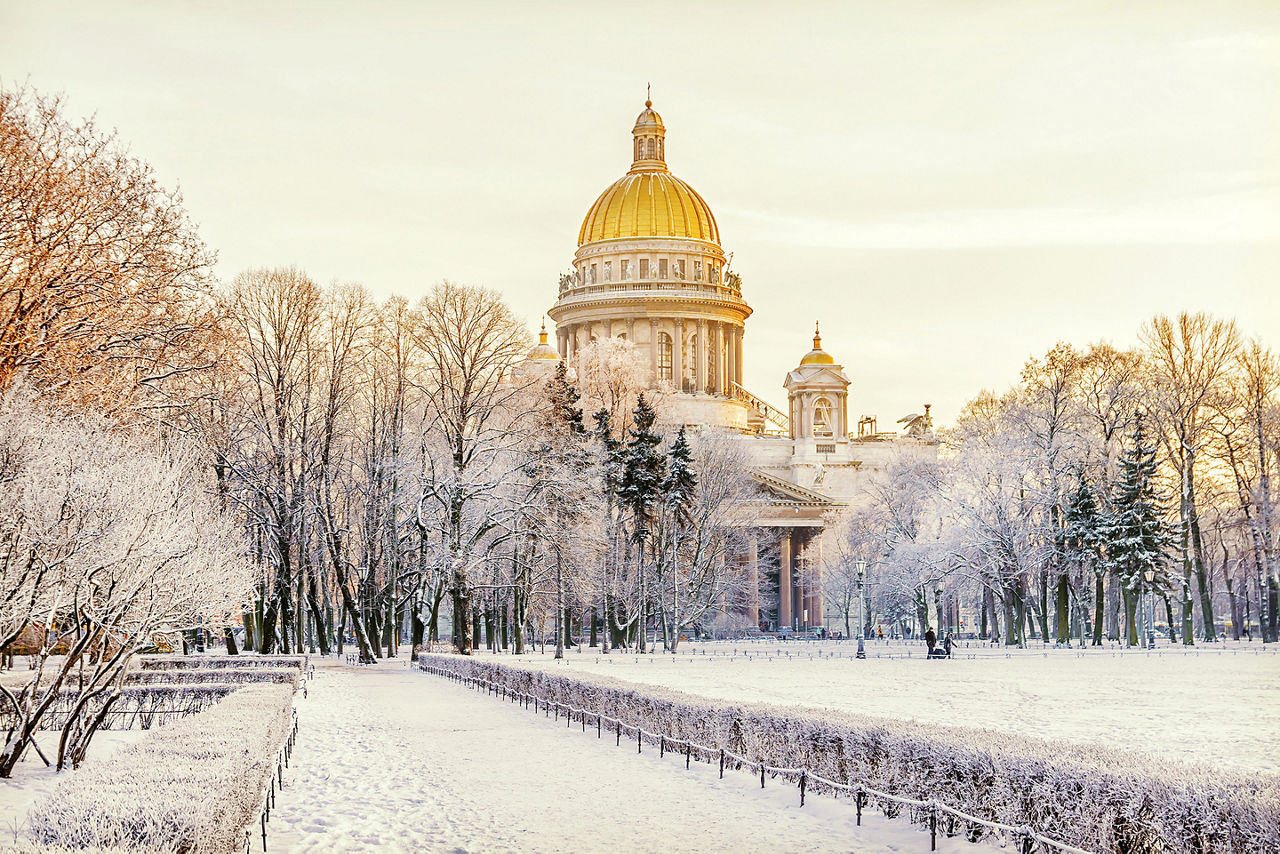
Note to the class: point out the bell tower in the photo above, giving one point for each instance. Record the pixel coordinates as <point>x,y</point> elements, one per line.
<point>818,398</point>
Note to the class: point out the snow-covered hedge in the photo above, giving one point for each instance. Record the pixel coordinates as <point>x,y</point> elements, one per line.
<point>139,706</point>
<point>193,786</point>
<point>223,675</point>
<point>1089,797</point>
<point>208,662</point>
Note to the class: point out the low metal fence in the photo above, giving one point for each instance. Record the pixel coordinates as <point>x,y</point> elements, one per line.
<point>939,817</point>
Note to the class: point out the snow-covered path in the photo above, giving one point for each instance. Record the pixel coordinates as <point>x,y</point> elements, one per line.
<point>391,759</point>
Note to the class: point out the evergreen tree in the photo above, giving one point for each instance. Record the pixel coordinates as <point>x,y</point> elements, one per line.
<point>1082,538</point>
<point>643,468</point>
<point>642,477</point>
<point>681,482</point>
<point>564,399</point>
<point>1136,534</point>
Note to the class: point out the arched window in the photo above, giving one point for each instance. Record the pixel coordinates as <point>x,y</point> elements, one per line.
<point>664,356</point>
<point>823,424</point>
<point>650,148</point>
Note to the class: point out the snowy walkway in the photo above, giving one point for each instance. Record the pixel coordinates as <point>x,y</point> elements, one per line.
<point>391,759</point>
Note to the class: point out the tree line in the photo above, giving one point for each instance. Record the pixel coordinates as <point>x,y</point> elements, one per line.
<point>1050,503</point>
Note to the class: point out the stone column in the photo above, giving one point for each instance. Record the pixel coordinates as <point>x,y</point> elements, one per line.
<point>562,342</point>
<point>737,354</point>
<point>717,347</point>
<point>753,578</point>
<point>653,350</point>
<point>677,355</point>
<point>700,366</point>
<point>784,579</point>
<point>631,331</point>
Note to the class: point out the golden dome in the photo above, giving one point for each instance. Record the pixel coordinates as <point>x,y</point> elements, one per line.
<point>649,201</point>
<point>649,204</point>
<point>817,356</point>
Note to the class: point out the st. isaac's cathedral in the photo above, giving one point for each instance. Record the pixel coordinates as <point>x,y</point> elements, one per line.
<point>650,267</point>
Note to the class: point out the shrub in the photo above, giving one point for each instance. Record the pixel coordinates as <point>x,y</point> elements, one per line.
<point>192,786</point>
<point>1089,797</point>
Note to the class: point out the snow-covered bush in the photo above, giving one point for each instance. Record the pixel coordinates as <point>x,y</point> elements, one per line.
<point>1089,797</point>
<point>104,543</point>
<point>208,662</point>
<point>192,786</point>
<point>225,675</point>
<point>139,706</point>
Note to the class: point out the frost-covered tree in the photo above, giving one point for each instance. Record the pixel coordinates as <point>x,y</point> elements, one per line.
<point>640,492</point>
<point>106,544</point>
<point>1082,542</point>
<point>1136,535</point>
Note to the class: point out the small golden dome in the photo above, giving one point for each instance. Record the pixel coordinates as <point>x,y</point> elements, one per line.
<point>544,352</point>
<point>817,356</point>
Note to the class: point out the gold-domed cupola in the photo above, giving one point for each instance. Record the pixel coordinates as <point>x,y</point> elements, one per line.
<point>817,356</point>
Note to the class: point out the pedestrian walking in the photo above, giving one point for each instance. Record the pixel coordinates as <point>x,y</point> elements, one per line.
<point>930,639</point>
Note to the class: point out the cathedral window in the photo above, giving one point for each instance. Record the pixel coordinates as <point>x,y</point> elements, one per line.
<point>664,356</point>
<point>608,271</point>
<point>639,143</point>
<point>644,268</point>
<point>624,267</point>
<point>697,271</point>
<point>662,269</point>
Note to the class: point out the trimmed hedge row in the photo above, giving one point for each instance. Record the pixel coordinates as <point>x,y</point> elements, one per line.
<point>193,786</point>
<point>1089,797</point>
<point>208,662</point>
<point>219,675</point>
<point>143,705</point>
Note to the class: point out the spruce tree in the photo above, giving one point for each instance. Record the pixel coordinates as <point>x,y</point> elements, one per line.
<point>1082,538</point>
<point>1136,534</point>
<point>642,476</point>
<point>681,482</point>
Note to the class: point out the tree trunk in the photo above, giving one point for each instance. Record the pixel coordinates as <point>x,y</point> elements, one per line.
<point>1130,609</point>
<point>1062,610</point>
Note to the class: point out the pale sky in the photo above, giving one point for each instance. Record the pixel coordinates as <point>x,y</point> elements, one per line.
<point>950,187</point>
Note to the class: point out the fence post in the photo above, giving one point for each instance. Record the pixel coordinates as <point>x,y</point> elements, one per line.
<point>662,746</point>
<point>857,800</point>
<point>804,778</point>
<point>687,748</point>
<point>933,826</point>
<point>722,763</point>
<point>639,739</point>
<point>264,831</point>
<point>618,742</point>
<point>762,775</point>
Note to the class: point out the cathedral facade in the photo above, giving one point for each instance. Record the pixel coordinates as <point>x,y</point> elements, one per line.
<point>650,267</point>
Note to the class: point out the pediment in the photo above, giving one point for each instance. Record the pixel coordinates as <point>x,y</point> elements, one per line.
<point>788,490</point>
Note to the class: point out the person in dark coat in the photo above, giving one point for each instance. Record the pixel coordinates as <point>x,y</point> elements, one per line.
<point>930,639</point>
<point>946,645</point>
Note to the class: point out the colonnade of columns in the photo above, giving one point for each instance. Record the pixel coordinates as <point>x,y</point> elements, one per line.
<point>799,577</point>
<point>714,360</point>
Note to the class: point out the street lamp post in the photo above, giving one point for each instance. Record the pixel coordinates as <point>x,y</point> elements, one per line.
<point>1150,576</point>
<point>862,608</point>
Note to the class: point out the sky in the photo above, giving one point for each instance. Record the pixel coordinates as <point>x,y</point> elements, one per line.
<point>950,187</point>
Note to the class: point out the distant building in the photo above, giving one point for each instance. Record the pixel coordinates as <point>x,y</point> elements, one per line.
<point>650,268</point>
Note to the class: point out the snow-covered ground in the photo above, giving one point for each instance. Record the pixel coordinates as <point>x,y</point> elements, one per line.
<point>1209,706</point>
<point>32,779</point>
<point>392,759</point>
